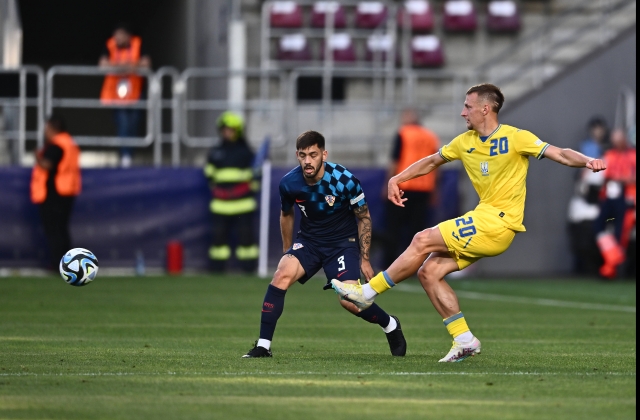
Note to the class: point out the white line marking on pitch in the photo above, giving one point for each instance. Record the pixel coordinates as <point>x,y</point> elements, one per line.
<point>531,301</point>
<point>261,373</point>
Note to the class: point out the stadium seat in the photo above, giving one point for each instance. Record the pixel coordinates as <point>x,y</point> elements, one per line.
<point>460,16</point>
<point>294,47</point>
<point>342,47</point>
<point>419,14</point>
<point>370,14</point>
<point>378,47</point>
<point>285,14</point>
<point>503,17</point>
<point>322,8</point>
<point>426,51</point>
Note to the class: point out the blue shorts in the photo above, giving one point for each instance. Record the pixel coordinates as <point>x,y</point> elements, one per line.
<point>340,261</point>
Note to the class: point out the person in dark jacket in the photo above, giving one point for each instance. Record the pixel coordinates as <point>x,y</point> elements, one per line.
<point>233,204</point>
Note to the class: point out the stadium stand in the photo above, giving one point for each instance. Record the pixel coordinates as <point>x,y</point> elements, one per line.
<point>322,8</point>
<point>342,47</point>
<point>378,47</point>
<point>418,15</point>
<point>294,47</point>
<point>370,14</point>
<point>427,51</point>
<point>459,16</point>
<point>503,17</point>
<point>286,14</point>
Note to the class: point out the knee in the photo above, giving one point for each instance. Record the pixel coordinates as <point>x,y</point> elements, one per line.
<point>282,280</point>
<point>428,274</point>
<point>422,239</point>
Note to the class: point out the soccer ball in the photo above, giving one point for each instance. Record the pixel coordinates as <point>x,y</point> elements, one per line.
<point>79,267</point>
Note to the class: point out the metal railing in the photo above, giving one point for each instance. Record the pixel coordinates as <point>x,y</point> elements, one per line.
<point>276,112</point>
<point>173,104</point>
<point>94,103</point>
<point>22,102</point>
<point>262,104</point>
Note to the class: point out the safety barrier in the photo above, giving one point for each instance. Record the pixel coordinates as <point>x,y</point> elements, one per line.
<point>263,105</point>
<point>274,111</point>
<point>22,102</point>
<point>148,104</point>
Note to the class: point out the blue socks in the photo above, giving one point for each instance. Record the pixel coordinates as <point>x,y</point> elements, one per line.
<point>375,315</point>
<point>272,308</point>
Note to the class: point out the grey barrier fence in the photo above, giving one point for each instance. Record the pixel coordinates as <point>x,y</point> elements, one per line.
<point>260,105</point>
<point>53,102</point>
<point>22,102</point>
<point>275,111</point>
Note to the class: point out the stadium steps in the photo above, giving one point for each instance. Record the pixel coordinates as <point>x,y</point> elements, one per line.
<point>577,29</point>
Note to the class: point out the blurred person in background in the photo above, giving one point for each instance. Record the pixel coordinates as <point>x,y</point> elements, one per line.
<point>597,141</point>
<point>618,203</point>
<point>584,209</point>
<point>124,52</point>
<point>230,173</point>
<point>412,143</point>
<point>55,183</point>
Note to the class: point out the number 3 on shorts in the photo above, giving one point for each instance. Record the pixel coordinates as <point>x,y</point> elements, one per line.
<point>468,229</point>
<point>341,267</point>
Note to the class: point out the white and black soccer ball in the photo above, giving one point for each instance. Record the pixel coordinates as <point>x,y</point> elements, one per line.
<point>78,267</point>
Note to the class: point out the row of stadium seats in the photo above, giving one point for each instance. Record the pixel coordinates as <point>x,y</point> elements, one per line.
<point>457,15</point>
<point>425,50</point>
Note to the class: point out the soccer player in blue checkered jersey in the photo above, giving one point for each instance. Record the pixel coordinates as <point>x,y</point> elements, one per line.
<point>335,235</point>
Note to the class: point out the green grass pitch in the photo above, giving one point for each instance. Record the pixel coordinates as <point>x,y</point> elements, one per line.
<point>170,347</point>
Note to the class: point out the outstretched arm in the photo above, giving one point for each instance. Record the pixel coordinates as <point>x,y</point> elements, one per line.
<point>286,229</point>
<point>364,239</point>
<point>570,157</point>
<point>420,168</point>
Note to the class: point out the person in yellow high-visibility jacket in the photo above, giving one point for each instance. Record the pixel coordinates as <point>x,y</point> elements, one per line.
<point>233,204</point>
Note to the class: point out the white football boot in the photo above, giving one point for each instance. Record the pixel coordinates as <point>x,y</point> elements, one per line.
<point>351,293</point>
<point>460,351</point>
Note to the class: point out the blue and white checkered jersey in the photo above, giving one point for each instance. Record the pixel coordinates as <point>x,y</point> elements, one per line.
<point>326,207</point>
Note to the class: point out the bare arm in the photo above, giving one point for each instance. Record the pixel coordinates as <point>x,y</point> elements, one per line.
<point>286,229</point>
<point>43,162</point>
<point>420,168</point>
<point>391,171</point>
<point>364,239</point>
<point>570,157</point>
<point>104,61</point>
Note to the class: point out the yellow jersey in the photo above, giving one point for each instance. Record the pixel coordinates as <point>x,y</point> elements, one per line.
<point>497,165</point>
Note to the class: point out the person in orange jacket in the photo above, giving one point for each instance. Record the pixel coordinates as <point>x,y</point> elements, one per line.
<point>412,143</point>
<point>55,183</point>
<point>124,52</point>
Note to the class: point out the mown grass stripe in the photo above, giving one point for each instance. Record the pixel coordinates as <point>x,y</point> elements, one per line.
<point>266,373</point>
<point>527,301</point>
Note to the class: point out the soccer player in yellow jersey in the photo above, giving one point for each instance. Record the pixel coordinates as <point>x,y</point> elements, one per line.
<point>496,158</point>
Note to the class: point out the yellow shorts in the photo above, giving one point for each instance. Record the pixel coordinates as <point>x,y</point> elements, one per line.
<point>478,234</point>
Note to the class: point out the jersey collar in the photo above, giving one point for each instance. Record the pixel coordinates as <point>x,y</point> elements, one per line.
<point>484,138</point>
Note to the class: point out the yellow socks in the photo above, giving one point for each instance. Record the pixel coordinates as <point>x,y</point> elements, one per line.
<point>381,282</point>
<point>457,326</point>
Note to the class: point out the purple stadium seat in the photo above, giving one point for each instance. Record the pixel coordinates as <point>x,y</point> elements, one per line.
<point>321,10</point>
<point>419,13</point>
<point>503,16</point>
<point>370,14</point>
<point>342,47</point>
<point>379,47</point>
<point>426,51</point>
<point>294,47</point>
<point>460,16</point>
<point>285,14</point>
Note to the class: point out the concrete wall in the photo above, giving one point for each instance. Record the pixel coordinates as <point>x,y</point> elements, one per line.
<point>558,113</point>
